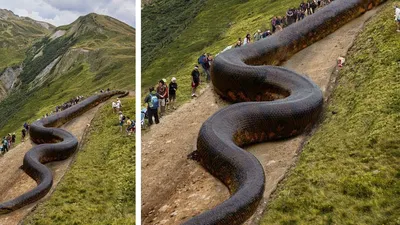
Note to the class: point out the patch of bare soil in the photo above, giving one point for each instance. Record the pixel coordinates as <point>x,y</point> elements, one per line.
<point>175,189</point>
<point>14,181</point>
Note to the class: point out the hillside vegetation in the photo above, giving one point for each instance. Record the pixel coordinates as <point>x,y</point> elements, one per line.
<point>16,35</point>
<point>216,25</point>
<point>349,171</point>
<point>94,52</point>
<point>100,186</point>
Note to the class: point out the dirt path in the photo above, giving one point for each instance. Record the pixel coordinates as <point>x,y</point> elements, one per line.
<point>14,181</point>
<point>175,189</point>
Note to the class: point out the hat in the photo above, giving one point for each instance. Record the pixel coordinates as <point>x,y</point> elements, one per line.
<point>259,31</point>
<point>173,79</point>
<point>165,80</point>
<point>196,66</point>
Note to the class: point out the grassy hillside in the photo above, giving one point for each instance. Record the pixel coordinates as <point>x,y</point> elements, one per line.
<point>217,25</point>
<point>96,52</point>
<point>100,186</point>
<point>164,20</point>
<point>349,172</point>
<point>17,34</point>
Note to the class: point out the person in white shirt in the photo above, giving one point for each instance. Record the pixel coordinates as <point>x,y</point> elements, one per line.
<point>246,39</point>
<point>114,107</point>
<point>397,14</point>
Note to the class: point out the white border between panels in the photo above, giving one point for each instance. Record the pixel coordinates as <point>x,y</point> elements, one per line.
<point>138,91</point>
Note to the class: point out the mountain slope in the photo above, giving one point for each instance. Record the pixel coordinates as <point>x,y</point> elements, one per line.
<point>16,36</point>
<point>94,52</point>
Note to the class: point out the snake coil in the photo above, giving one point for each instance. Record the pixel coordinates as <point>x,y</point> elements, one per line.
<point>241,75</point>
<point>53,144</point>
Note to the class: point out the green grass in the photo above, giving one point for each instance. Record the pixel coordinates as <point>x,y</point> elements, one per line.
<point>99,188</point>
<point>349,171</point>
<point>217,25</point>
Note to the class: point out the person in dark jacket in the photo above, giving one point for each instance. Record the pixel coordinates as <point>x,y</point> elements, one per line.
<point>195,80</point>
<point>152,105</point>
<point>173,86</point>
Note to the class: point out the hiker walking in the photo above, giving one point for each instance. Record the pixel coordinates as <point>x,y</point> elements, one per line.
<point>195,80</point>
<point>162,93</point>
<point>173,86</point>
<point>152,106</point>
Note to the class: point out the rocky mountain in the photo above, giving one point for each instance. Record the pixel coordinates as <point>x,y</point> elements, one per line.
<point>92,53</point>
<point>17,34</point>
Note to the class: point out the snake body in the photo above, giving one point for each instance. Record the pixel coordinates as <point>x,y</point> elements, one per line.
<point>53,144</point>
<point>242,75</point>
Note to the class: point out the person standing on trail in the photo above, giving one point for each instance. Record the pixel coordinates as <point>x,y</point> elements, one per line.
<point>397,14</point>
<point>152,106</point>
<point>167,93</point>
<point>313,6</point>
<point>207,63</point>
<point>201,60</point>
<point>119,105</point>
<point>114,107</point>
<point>13,138</point>
<point>5,144</point>
<point>238,43</point>
<point>23,134</point>
<point>195,80</point>
<point>273,24</point>
<point>162,93</point>
<point>247,39</point>
<point>258,35</point>
<point>173,86</point>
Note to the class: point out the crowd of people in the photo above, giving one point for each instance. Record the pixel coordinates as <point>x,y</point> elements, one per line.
<point>66,105</point>
<point>122,119</point>
<point>159,100</point>
<point>278,23</point>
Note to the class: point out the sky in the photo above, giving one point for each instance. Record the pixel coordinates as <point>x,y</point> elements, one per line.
<point>62,12</point>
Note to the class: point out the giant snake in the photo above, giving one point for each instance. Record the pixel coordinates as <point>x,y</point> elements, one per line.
<point>53,144</point>
<point>242,75</point>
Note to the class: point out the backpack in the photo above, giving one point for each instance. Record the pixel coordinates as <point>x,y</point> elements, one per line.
<point>200,59</point>
<point>153,103</point>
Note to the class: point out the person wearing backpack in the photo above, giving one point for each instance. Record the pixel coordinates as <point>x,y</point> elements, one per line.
<point>152,106</point>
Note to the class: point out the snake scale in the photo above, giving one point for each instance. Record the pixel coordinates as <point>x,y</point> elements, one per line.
<point>248,75</point>
<point>53,144</point>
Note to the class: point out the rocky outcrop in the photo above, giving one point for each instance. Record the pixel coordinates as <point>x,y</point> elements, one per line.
<point>9,77</point>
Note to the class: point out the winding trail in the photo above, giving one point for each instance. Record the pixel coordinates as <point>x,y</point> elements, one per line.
<point>175,189</point>
<point>14,181</point>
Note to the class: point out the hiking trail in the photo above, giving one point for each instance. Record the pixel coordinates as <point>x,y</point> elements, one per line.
<point>14,181</point>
